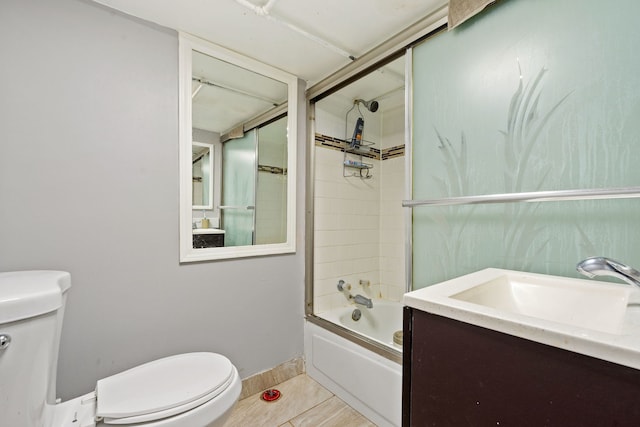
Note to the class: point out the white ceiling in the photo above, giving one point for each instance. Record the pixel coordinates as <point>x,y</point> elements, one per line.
<point>274,35</point>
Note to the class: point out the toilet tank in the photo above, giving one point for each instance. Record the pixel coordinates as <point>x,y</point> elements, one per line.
<point>31,312</point>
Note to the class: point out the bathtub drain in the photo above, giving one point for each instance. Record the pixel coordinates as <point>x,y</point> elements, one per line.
<point>356,315</point>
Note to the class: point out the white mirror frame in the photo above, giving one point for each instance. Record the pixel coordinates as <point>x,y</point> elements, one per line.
<point>187,44</point>
<point>212,157</point>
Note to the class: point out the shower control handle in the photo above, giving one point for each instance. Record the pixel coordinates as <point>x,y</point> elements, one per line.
<point>5,340</point>
<point>342,286</point>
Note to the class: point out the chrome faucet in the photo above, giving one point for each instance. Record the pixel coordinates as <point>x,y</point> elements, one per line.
<point>601,266</point>
<point>359,299</point>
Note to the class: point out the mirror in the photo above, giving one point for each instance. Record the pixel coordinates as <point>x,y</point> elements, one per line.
<point>202,175</point>
<point>237,155</point>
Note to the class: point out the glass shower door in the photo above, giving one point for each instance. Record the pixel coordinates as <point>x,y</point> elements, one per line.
<point>517,102</point>
<point>238,189</point>
<point>271,190</point>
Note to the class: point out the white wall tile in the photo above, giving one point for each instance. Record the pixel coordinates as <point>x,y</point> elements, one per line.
<point>359,222</point>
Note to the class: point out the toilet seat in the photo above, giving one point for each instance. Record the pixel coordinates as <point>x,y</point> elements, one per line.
<point>162,388</point>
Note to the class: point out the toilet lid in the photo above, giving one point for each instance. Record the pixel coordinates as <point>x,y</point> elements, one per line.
<point>163,387</point>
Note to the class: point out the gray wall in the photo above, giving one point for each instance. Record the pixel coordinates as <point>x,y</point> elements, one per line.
<point>89,184</point>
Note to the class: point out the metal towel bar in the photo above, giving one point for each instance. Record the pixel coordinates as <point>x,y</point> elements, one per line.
<point>236,207</point>
<point>534,196</point>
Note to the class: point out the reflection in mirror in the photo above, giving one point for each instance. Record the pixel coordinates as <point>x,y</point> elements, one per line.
<point>202,175</point>
<point>238,189</point>
<point>255,186</point>
<point>238,121</point>
<point>271,195</point>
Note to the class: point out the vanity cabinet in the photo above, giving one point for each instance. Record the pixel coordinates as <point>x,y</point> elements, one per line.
<point>208,240</point>
<point>458,374</point>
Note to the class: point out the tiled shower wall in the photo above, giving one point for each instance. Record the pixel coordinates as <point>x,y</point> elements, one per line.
<point>359,222</point>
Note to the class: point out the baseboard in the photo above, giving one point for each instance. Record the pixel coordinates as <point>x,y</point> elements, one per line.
<point>267,379</point>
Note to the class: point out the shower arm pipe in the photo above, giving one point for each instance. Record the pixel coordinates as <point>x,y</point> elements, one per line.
<point>536,196</point>
<point>266,12</point>
<point>388,93</point>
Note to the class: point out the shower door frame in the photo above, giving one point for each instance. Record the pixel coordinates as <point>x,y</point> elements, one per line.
<point>400,45</point>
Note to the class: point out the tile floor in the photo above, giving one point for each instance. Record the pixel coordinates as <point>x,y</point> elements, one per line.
<point>303,403</point>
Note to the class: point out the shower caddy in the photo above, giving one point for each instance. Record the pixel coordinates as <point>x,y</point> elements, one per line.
<point>356,147</point>
<point>353,164</point>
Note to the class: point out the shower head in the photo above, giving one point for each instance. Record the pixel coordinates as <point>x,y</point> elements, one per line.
<point>371,105</point>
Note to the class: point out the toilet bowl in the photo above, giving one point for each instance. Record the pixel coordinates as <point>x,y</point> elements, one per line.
<point>185,390</point>
<point>193,389</point>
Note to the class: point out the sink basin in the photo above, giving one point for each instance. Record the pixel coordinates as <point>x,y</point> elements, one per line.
<point>585,316</point>
<point>573,302</point>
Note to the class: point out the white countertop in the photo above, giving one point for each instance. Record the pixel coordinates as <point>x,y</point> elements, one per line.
<point>620,345</point>
<point>207,231</point>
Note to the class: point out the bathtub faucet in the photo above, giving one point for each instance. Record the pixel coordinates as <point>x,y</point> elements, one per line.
<point>601,266</point>
<point>359,299</point>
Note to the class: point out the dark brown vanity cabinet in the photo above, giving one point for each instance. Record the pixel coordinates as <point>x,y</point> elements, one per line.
<point>208,240</point>
<point>458,374</point>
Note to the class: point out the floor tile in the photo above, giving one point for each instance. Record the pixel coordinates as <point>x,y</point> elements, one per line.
<point>331,413</point>
<point>267,379</point>
<point>299,394</point>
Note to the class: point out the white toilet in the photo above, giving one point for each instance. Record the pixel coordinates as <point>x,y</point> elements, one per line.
<point>186,390</point>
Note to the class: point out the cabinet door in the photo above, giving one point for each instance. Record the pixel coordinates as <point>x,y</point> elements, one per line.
<point>208,240</point>
<point>464,375</point>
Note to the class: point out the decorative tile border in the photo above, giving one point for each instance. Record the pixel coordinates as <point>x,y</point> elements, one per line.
<point>330,142</point>
<point>272,169</point>
<point>267,379</point>
<point>338,144</point>
<point>393,152</point>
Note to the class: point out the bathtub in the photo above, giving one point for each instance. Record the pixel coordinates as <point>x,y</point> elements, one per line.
<point>358,360</point>
<point>378,323</point>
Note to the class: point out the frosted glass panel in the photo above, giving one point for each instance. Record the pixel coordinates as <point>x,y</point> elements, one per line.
<point>539,237</point>
<point>271,194</point>
<point>527,96</point>
<point>238,189</point>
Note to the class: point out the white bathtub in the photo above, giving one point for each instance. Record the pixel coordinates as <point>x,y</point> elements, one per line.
<point>367,381</point>
<point>378,323</point>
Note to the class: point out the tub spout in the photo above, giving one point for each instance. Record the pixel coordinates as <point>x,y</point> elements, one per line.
<point>359,299</point>
<point>600,266</point>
